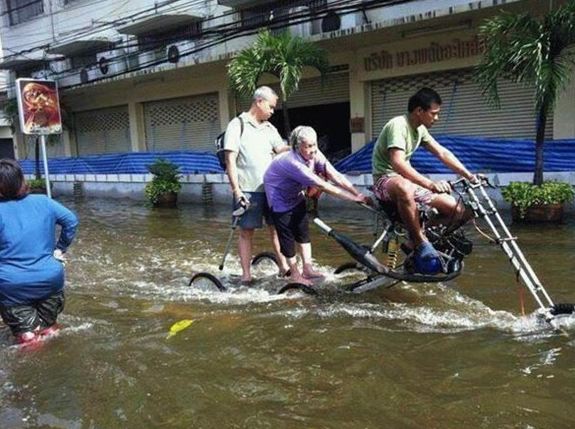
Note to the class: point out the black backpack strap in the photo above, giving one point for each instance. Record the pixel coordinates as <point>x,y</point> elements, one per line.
<point>241,125</point>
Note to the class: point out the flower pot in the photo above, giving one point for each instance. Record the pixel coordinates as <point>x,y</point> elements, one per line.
<point>538,213</point>
<point>167,200</point>
<point>41,189</point>
<point>38,190</point>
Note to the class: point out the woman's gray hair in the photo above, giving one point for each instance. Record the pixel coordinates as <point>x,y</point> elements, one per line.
<point>264,92</point>
<point>301,133</point>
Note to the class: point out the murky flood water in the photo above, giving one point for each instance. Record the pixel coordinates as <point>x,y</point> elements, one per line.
<point>428,356</point>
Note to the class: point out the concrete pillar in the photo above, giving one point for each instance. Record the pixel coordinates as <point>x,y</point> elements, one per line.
<point>358,108</point>
<point>564,111</point>
<point>137,127</point>
<point>68,140</point>
<point>224,104</point>
<point>19,150</point>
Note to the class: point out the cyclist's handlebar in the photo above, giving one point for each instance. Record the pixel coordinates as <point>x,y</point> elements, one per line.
<point>483,181</point>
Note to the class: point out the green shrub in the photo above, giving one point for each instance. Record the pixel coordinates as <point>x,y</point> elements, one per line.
<point>36,183</point>
<point>524,195</point>
<point>166,179</point>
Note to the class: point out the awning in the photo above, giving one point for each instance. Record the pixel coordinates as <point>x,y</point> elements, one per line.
<point>242,4</point>
<point>17,62</point>
<point>156,23</point>
<point>76,47</point>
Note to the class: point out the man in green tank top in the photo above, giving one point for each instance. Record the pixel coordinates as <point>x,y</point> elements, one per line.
<point>397,181</point>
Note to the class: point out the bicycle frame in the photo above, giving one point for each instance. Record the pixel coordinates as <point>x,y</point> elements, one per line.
<point>479,202</point>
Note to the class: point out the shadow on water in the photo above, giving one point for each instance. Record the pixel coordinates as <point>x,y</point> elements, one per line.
<point>447,356</point>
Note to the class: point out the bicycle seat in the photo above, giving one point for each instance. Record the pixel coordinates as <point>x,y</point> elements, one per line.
<point>390,210</point>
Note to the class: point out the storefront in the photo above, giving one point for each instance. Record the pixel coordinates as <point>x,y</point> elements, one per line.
<point>465,111</point>
<point>186,123</point>
<point>323,105</point>
<point>392,73</point>
<point>102,131</point>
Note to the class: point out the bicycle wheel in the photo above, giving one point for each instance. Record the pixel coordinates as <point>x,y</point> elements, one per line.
<point>207,282</point>
<point>265,258</point>
<point>349,267</point>
<point>265,263</point>
<point>298,286</point>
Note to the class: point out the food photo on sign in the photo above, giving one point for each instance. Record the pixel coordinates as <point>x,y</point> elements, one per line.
<point>38,106</point>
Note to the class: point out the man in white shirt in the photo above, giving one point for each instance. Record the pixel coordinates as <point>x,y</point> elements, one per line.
<point>251,142</point>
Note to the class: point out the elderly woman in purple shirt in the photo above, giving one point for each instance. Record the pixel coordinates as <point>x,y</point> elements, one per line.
<point>285,181</point>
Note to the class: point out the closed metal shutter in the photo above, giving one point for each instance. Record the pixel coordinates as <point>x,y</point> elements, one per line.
<point>465,111</point>
<point>313,92</point>
<point>103,131</point>
<point>188,123</point>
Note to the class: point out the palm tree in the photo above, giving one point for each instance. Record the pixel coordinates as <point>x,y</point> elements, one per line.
<point>532,51</point>
<point>282,56</point>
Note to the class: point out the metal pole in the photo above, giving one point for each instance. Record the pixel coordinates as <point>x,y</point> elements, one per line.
<point>45,161</point>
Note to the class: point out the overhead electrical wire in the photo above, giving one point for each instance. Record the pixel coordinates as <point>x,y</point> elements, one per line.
<point>82,32</point>
<point>223,33</point>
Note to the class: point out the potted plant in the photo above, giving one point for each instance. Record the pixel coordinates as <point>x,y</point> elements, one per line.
<point>531,49</point>
<point>37,186</point>
<point>162,190</point>
<point>533,203</point>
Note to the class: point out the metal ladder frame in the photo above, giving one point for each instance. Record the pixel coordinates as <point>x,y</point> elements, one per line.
<point>509,245</point>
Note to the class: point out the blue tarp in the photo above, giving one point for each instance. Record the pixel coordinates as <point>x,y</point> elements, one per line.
<point>128,163</point>
<point>478,154</point>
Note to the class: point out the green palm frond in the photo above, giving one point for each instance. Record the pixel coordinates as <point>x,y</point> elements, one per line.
<point>281,55</point>
<point>534,51</point>
<point>528,50</point>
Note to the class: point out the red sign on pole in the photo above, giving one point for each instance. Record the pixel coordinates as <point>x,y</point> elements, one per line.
<point>38,106</point>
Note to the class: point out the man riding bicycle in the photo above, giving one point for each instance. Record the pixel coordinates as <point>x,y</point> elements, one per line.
<point>396,181</point>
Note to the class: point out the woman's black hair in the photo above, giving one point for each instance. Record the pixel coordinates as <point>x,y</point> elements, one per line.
<point>12,183</point>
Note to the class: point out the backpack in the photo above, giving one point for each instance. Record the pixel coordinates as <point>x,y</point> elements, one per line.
<point>219,142</point>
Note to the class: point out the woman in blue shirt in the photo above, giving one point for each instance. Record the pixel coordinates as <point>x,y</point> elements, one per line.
<point>31,276</point>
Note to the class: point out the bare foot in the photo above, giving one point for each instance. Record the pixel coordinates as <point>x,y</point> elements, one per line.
<point>311,274</point>
<point>314,275</point>
<point>298,278</point>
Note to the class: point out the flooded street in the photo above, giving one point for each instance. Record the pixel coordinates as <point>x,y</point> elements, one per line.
<point>451,355</point>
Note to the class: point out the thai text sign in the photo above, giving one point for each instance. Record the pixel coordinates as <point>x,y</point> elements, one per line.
<point>435,52</point>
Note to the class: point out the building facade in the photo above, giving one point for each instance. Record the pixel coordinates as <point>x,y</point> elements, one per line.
<point>151,76</point>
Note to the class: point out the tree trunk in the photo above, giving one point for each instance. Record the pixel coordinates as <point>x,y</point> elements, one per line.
<point>285,114</point>
<point>37,158</point>
<point>539,142</point>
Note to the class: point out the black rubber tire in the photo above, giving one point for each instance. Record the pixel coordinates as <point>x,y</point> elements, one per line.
<point>348,266</point>
<point>562,308</point>
<point>210,277</point>
<point>265,256</point>
<point>298,286</point>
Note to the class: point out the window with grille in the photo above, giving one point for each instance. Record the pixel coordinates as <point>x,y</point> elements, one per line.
<point>276,14</point>
<point>23,10</point>
<point>83,60</point>
<point>28,71</point>
<point>149,41</point>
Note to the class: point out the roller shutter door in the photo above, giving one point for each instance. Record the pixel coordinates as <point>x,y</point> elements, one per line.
<point>312,92</point>
<point>465,110</point>
<point>103,131</point>
<point>188,123</point>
